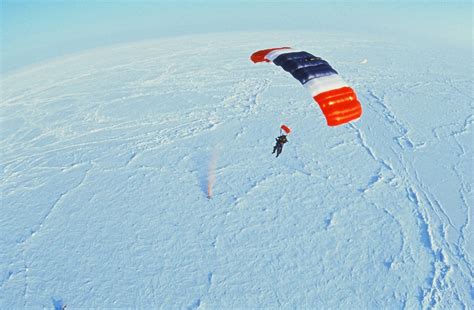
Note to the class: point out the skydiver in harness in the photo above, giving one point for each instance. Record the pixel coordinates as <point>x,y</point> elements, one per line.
<point>279,144</point>
<point>284,131</point>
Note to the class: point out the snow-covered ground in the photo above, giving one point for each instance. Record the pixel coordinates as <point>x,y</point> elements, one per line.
<point>106,157</point>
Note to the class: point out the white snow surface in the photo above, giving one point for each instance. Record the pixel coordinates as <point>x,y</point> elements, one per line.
<point>105,162</point>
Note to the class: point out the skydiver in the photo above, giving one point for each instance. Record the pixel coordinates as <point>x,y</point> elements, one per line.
<point>279,144</point>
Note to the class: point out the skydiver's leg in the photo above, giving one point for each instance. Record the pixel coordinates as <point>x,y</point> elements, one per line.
<point>279,149</point>
<point>274,149</point>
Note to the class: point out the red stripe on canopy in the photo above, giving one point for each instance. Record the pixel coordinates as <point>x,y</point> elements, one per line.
<point>259,56</point>
<point>339,106</point>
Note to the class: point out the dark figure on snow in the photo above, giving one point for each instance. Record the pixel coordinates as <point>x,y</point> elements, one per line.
<point>279,144</point>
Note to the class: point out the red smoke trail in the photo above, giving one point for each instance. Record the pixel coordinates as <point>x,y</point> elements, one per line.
<point>211,174</point>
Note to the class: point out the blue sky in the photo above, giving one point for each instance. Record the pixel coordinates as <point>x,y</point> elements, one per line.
<point>35,31</point>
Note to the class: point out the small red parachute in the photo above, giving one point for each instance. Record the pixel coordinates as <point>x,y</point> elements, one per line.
<point>286,129</point>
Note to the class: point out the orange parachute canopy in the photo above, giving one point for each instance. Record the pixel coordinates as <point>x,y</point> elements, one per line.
<point>286,129</point>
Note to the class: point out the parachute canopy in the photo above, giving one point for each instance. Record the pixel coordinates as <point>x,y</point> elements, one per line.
<point>335,98</point>
<point>286,129</point>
